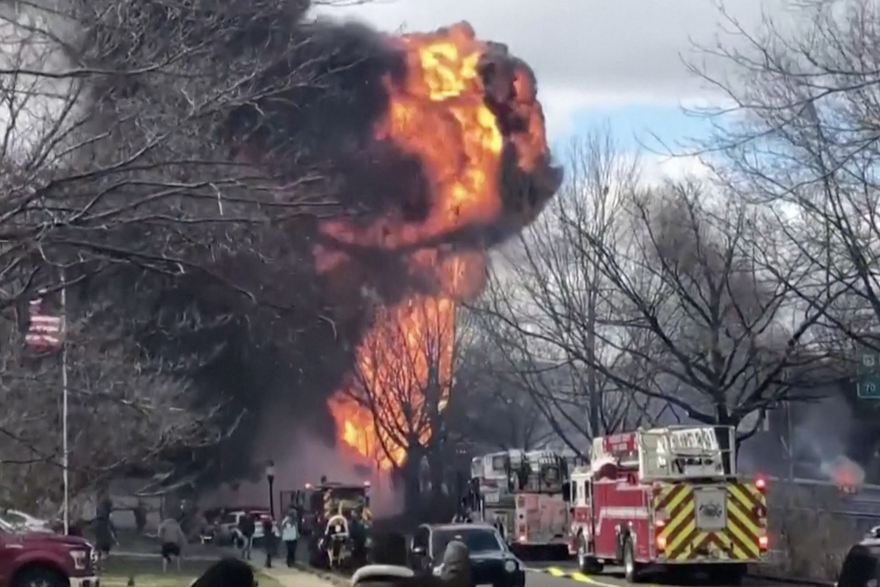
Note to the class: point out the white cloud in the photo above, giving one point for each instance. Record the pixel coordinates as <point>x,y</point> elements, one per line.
<point>586,54</point>
<point>34,109</point>
<point>658,168</point>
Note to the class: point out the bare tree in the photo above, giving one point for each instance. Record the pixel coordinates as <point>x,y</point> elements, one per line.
<point>490,409</point>
<point>798,135</point>
<point>403,380</point>
<point>128,414</point>
<point>148,155</point>
<point>549,301</point>
<point>663,303</point>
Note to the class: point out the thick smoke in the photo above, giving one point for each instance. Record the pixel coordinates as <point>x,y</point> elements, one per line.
<point>314,97</point>
<point>381,189</point>
<point>299,458</point>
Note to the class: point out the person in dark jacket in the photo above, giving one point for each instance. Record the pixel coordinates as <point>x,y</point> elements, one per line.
<point>456,570</point>
<point>463,514</point>
<point>246,526</point>
<point>270,540</point>
<point>358,533</point>
<point>105,534</point>
<point>859,567</point>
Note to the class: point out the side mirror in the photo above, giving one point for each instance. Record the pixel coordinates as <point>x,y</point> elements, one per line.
<point>566,492</point>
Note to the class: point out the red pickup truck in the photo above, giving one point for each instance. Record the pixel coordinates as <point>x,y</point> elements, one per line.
<point>42,559</point>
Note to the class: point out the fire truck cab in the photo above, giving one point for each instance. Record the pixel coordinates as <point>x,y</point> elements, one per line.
<point>668,498</point>
<point>521,494</point>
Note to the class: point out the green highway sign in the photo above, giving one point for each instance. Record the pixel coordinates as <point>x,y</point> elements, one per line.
<point>868,371</point>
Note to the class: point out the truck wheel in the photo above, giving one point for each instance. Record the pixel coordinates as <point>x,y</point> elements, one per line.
<point>40,577</point>
<point>631,569</point>
<point>586,564</point>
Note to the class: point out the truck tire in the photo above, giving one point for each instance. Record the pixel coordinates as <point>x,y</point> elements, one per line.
<point>587,565</point>
<point>39,577</point>
<point>631,569</point>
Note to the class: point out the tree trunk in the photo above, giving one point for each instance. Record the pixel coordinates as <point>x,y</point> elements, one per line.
<point>435,463</point>
<point>412,480</point>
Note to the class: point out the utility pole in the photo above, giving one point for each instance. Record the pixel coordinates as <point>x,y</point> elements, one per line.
<point>47,332</point>
<point>65,448</point>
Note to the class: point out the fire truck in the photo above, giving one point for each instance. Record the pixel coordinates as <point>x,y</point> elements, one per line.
<point>521,494</point>
<point>318,503</point>
<point>668,498</point>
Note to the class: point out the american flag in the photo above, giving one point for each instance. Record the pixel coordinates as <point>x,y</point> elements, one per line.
<point>44,332</point>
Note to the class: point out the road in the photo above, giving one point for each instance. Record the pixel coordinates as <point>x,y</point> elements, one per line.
<point>545,575</point>
<point>564,574</point>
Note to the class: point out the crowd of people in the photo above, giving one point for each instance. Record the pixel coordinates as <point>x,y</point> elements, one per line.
<point>288,533</point>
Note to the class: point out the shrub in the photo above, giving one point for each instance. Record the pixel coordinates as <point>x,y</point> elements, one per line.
<point>808,539</point>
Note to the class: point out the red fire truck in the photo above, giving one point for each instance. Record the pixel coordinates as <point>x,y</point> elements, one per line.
<point>669,498</point>
<point>521,493</point>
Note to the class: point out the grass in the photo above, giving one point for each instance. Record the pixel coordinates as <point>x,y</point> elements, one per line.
<point>147,572</point>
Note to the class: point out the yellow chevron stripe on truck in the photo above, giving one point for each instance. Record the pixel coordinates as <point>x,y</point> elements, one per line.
<point>329,510</point>
<point>679,540</point>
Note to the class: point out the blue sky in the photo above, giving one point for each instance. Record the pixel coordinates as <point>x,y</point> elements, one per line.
<point>638,127</point>
<point>620,62</point>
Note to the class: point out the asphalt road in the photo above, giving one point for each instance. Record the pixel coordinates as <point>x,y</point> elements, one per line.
<point>564,574</point>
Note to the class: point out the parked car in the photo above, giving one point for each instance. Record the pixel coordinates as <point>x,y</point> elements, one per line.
<point>19,519</point>
<point>492,562</point>
<point>381,575</point>
<point>42,559</point>
<point>229,522</point>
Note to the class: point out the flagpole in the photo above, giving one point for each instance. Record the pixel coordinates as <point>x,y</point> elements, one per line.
<point>65,449</point>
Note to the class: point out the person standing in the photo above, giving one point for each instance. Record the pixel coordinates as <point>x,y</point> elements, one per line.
<point>358,535</point>
<point>105,534</point>
<point>246,526</point>
<point>171,540</point>
<point>270,543</point>
<point>290,535</point>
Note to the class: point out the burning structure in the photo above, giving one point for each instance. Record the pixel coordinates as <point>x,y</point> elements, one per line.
<point>464,115</point>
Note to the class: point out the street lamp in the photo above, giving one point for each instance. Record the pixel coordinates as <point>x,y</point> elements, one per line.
<point>270,477</point>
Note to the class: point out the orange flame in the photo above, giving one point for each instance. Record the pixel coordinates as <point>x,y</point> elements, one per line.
<point>437,113</point>
<point>404,370</point>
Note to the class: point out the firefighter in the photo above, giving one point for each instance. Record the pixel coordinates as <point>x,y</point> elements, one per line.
<point>499,525</point>
<point>358,536</point>
<point>336,537</point>
<point>463,515</point>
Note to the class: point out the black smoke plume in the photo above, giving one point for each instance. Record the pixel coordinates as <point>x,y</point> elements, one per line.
<point>309,96</point>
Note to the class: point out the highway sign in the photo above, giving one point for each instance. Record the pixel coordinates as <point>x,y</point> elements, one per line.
<point>868,383</point>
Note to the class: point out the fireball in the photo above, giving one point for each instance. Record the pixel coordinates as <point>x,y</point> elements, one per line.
<point>467,113</point>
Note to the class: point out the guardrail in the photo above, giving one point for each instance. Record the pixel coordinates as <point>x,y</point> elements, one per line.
<point>862,505</point>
